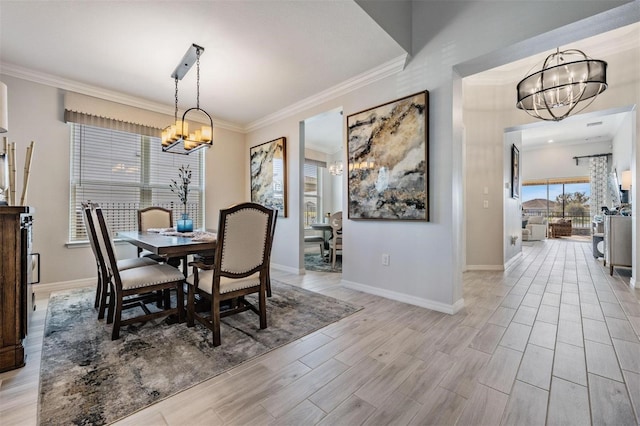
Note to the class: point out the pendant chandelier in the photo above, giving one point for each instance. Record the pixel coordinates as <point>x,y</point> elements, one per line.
<point>566,79</point>
<point>176,138</point>
<point>336,168</point>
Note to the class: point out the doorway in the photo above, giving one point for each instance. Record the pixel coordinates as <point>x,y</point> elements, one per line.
<point>322,188</point>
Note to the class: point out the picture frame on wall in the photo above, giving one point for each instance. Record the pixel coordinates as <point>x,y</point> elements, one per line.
<point>515,172</point>
<point>388,160</point>
<point>268,165</point>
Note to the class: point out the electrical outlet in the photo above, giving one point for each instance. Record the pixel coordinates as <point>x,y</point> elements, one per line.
<point>485,204</point>
<point>385,259</point>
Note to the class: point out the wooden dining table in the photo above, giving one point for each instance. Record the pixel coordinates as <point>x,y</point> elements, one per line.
<point>169,245</point>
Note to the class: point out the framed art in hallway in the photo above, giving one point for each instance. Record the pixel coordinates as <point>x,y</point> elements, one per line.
<point>515,172</point>
<point>268,165</point>
<point>388,164</point>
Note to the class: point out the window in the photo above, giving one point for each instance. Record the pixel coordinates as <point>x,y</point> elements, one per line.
<point>558,198</point>
<point>312,192</point>
<point>124,172</point>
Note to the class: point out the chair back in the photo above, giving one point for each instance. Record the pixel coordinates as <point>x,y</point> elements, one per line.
<point>336,224</point>
<point>244,240</point>
<point>154,217</point>
<point>105,242</point>
<point>90,225</point>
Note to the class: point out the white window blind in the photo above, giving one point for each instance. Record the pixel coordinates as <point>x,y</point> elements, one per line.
<point>312,192</point>
<point>124,172</point>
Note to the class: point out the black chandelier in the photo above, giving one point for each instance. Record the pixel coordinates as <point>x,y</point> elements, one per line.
<point>566,79</point>
<point>176,138</point>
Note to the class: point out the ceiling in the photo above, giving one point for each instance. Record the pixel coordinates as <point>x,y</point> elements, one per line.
<point>323,132</point>
<point>579,128</point>
<point>260,56</point>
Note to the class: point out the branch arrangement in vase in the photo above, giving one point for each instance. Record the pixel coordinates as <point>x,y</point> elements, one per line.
<point>180,187</point>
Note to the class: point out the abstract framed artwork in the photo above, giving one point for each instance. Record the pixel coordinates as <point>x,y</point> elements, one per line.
<point>515,172</point>
<point>268,164</point>
<point>388,163</point>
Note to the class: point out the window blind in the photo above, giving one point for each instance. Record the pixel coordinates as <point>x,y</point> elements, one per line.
<point>124,172</point>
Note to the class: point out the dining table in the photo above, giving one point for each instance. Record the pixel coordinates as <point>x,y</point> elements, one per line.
<point>170,246</point>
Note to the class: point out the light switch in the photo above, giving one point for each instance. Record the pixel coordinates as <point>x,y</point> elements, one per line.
<point>486,190</point>
<point>485,204</point>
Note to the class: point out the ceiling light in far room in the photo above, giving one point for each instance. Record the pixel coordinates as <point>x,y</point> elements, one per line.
<point>550,141</point>
<point>336,168</point>
<point>176,138</point>
<point>4,108</point>
<point>566,79</point>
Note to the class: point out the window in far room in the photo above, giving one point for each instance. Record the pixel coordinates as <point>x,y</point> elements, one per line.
<point>312,192</point>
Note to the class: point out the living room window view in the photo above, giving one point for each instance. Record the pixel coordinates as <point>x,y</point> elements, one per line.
<point>564,203</point>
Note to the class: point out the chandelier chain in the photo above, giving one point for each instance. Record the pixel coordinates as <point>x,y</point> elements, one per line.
<point>198,78</point>
<point>175,113</point>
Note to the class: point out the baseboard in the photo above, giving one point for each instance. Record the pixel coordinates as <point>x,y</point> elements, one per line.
<point>39,289</point>
<point>401,297</point>
<point>484,268</point>
<point>632,282</point>
<point>287,269</point>
<point>511,261</point>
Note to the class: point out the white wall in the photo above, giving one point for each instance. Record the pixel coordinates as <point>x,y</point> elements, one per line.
<point>556,161</point>
<point>36,113</point>
<point>425,258</point>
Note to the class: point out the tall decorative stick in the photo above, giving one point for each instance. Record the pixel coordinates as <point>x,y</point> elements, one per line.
<point>5,151</point>
<point>12,174</point>
<point>27,168</point>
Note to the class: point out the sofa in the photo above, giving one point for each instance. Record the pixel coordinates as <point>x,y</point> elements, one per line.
<point>535,228</point>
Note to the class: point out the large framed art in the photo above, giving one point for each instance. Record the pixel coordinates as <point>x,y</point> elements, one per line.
<point>268,164</point>
<point>388,160</point>
<point>515,172</point>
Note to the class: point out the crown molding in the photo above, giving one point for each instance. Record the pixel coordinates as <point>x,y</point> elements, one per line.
<point>378,73</point>
<point>99,92</point>
<point>385,70</point>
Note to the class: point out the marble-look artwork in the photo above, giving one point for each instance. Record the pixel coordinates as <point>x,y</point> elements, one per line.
<point>388,164</point>
<point>268,175</point>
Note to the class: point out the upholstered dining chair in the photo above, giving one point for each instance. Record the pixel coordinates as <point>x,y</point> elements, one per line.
<point>150,218</point>
<point>102,286</point>
<point>336,241</point>
<point>142,281</point>
<point>240,267</point>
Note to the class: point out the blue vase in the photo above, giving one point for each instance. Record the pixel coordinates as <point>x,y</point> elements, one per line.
<point>185,224</point>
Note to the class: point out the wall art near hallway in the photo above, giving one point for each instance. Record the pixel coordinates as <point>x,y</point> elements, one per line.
<point>388,173</point>
<point>268,163</point>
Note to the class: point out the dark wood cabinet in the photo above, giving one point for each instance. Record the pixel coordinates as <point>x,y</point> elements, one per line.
<point>15,284</point>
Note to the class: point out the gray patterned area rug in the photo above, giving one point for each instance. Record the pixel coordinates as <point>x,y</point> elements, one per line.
<point>87,379</point>
<point>315,262</point>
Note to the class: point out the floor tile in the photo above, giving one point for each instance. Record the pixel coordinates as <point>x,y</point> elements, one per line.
<point>591,311</point>
<point>551,299</point>
<point>501,371</point>
<point>527,405</point>
<point>628,354</point>
<point>548,314</point>
<point>570,312</point>
<point>568,404</point>
<point>502,316</point>
<point>613,310</point>
<point>516,336</point>
<point>441,407</point>
<point>632,380</point>
<point>525,315</point>
<point>610,402</point>
<point>595,331</point>
<point>621,329</point>
<point>601,360</point>
<point>543,334</point>
<point>487,338</point>
<point>484,407</point>
<point>532,300</point>
<point>569,364</point>
<point>570,332</point>
<point>536,366</point>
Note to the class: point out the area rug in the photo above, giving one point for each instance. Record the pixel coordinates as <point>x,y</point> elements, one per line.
<point>315,262</point>
<point>87,379</point>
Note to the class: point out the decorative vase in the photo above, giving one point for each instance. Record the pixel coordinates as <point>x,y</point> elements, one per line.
<point>185,224</point>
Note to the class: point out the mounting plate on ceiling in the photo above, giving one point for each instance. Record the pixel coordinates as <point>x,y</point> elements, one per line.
<point>187,61</point>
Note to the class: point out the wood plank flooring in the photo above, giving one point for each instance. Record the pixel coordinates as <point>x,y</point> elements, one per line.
<point>552,340</point>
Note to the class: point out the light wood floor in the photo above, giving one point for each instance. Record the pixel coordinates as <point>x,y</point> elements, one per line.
<point>552,340</point>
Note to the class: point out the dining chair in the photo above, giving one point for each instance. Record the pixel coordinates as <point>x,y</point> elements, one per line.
<point>273,232</point>
<point>142,281</point>
<point>102,286</point>
<point>336,241</point>
<point>240,267</point>
<point>154,218</point>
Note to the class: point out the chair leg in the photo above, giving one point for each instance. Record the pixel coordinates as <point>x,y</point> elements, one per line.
<point>333,258</point>
<point>98,291</point>
<point>115,334</point>
<point>104,292</point>
<point>215,320</point>
<point>322,250</point>
<point>191,305</point>
<point>262,300</point>
<point>180,298</point>
<point>269,282</point>
<point>112,307</point>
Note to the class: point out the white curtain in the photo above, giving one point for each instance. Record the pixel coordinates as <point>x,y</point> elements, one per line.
<point>598,178</point>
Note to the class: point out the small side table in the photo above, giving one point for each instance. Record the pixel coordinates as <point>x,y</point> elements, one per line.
<point>597,239</point>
